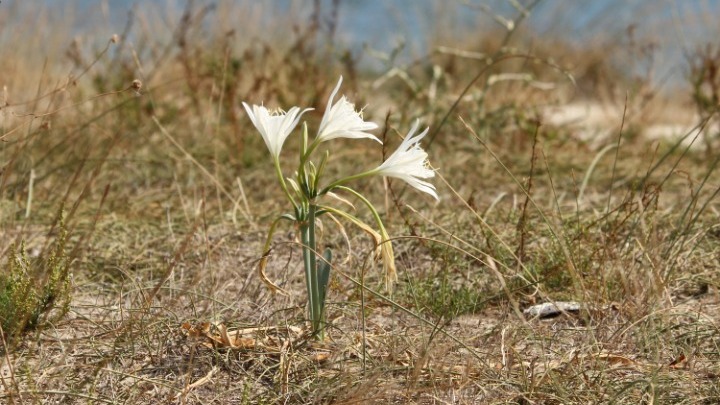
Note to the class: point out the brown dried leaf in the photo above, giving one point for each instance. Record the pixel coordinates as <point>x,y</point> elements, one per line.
<point>195,331</point>
<point>224,338</point>
<point>321,357</point>
<point>614,359</point>
<point>202,381</point>
<point>221,337</point>
<point>679,362</point>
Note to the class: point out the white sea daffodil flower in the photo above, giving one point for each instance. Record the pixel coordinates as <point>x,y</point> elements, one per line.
<point>410,163</point>
<point>274,126</point>
<point>340,120</point>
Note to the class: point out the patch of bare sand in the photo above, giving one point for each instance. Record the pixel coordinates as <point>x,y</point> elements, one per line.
<point>597,122</point>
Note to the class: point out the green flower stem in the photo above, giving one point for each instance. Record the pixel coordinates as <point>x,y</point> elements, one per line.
<point>341,213</point>
<point>367,203</point>
<point>279,174</point>
<point>307,228</point>
<point>320,170</point>
<point>301,177</point>
<point>340,182</point>
<point>266,254</point>
<point>271,232</point>
<point>309,150</point>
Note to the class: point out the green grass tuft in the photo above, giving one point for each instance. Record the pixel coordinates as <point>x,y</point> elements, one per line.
<point>34,290</point>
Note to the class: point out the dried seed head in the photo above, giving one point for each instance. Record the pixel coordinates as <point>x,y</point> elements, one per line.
<point>136,85</point>
<point>114,39</point>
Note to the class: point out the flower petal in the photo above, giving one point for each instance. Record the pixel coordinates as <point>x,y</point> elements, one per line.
<point>410,163</point>
<point>340,120</point>
<point>274,127</point>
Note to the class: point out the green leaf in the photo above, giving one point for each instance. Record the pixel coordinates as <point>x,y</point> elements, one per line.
<point>324,275</point>
<point>289,217</point>
<point>320,169</point>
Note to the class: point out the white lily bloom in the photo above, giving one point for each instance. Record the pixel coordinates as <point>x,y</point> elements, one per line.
<point>274,126</point>
<point>410,163</point>
<point>340,120</point>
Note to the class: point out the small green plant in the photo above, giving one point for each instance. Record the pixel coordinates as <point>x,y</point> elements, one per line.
<point>32,289</point>
<point>442,298</point>
<point>306,191</point>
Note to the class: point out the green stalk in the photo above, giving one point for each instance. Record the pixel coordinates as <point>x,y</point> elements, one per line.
<point>301,177</point>
<point>307,151</point>
<point>266,252</point>
<point>365,201</point>
<point>279,174</point>
<point>340,182</point>
<point>311,272</point>
<point>317,299</point>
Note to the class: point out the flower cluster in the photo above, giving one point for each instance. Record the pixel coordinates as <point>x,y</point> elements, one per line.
<point>340,120</point>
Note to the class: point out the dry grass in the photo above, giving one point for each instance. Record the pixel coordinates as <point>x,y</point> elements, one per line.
<point>167,193</point>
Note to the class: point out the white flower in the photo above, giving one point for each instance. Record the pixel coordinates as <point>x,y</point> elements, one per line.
<point>409,163</point>
<point>342,121</point>
<point>274,126</point>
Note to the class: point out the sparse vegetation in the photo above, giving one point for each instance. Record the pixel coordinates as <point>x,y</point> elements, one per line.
<point>167,194</point>
<point>32,290</point>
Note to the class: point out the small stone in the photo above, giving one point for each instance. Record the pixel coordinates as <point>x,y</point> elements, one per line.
<point>552,309</point>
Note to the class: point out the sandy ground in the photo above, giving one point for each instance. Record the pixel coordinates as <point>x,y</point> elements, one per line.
<point>595,121</point>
